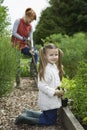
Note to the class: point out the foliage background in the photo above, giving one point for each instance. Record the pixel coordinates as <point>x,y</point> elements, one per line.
<point>62,16</point>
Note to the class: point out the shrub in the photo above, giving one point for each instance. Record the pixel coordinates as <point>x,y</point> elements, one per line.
<point>80,94</point>
<point>76,89</point>
<point>8,65</point>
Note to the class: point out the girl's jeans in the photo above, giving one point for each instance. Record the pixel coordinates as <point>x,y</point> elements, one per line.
<point>37,117</point>
<point>29,117</point>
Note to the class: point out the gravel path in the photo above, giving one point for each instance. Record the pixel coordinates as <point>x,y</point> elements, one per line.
<point>13,104</point>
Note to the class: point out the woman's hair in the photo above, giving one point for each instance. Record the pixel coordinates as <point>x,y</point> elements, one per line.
<point>43,60</point>
<point>30,12</point>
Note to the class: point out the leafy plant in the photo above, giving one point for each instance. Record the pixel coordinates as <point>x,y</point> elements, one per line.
<point>4,19</point>
<point>25,67</point>
<point>8,65</point>
<point>85,120</point>
<point>80,95</point>
<point>69,86</point>
<point>76,89</point>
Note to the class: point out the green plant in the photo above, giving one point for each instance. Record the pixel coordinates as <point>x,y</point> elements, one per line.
<point>25,67</point>
<point>69,86</point>
<point>80,93</point>
<point>76,89</point>
<point>8,65</point>
<point>85,120</point>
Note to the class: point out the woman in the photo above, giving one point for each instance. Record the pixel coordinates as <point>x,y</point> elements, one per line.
<point>22,34</point>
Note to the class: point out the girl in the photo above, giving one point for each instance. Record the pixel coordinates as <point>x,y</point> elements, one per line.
<point>49,80</point>
<point>50,76</point>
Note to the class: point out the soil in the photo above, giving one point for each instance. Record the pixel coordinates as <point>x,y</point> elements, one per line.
<point>15,102</point>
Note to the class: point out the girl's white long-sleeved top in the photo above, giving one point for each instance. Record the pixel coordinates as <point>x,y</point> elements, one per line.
<point>46,98</point>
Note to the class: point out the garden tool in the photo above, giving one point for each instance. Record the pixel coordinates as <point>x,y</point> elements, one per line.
<point>33,66</point>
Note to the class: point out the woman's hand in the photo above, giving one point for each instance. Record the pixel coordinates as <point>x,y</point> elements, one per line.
<point>24,39</point>
<point>32,51</point>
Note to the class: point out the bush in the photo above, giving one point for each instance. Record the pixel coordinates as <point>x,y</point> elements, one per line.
<point>80,94</point>
<point>76,89</point>
<point>8,65</point>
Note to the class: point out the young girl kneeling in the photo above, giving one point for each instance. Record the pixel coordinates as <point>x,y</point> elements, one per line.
<point>50,74</point>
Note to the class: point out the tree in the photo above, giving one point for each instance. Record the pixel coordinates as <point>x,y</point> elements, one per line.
<point>62,16</point>
<point>4,21</point>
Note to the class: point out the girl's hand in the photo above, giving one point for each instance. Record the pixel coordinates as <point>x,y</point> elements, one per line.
<point>59,93</point>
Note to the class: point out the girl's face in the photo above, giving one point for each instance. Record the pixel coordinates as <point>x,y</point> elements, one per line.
<point>52,55</point>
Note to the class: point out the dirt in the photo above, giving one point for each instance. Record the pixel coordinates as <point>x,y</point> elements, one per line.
<point>15,102</point>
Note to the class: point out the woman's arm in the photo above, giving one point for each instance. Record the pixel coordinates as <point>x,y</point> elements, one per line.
<point>15,28</point>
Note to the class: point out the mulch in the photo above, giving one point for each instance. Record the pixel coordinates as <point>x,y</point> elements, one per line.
<point>15,102</point>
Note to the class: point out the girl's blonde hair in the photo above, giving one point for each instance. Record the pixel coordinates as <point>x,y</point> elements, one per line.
<point>30,12</point>
<point>43,60</point>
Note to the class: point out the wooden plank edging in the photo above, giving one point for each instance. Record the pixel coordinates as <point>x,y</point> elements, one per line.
<point>69,121</point>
